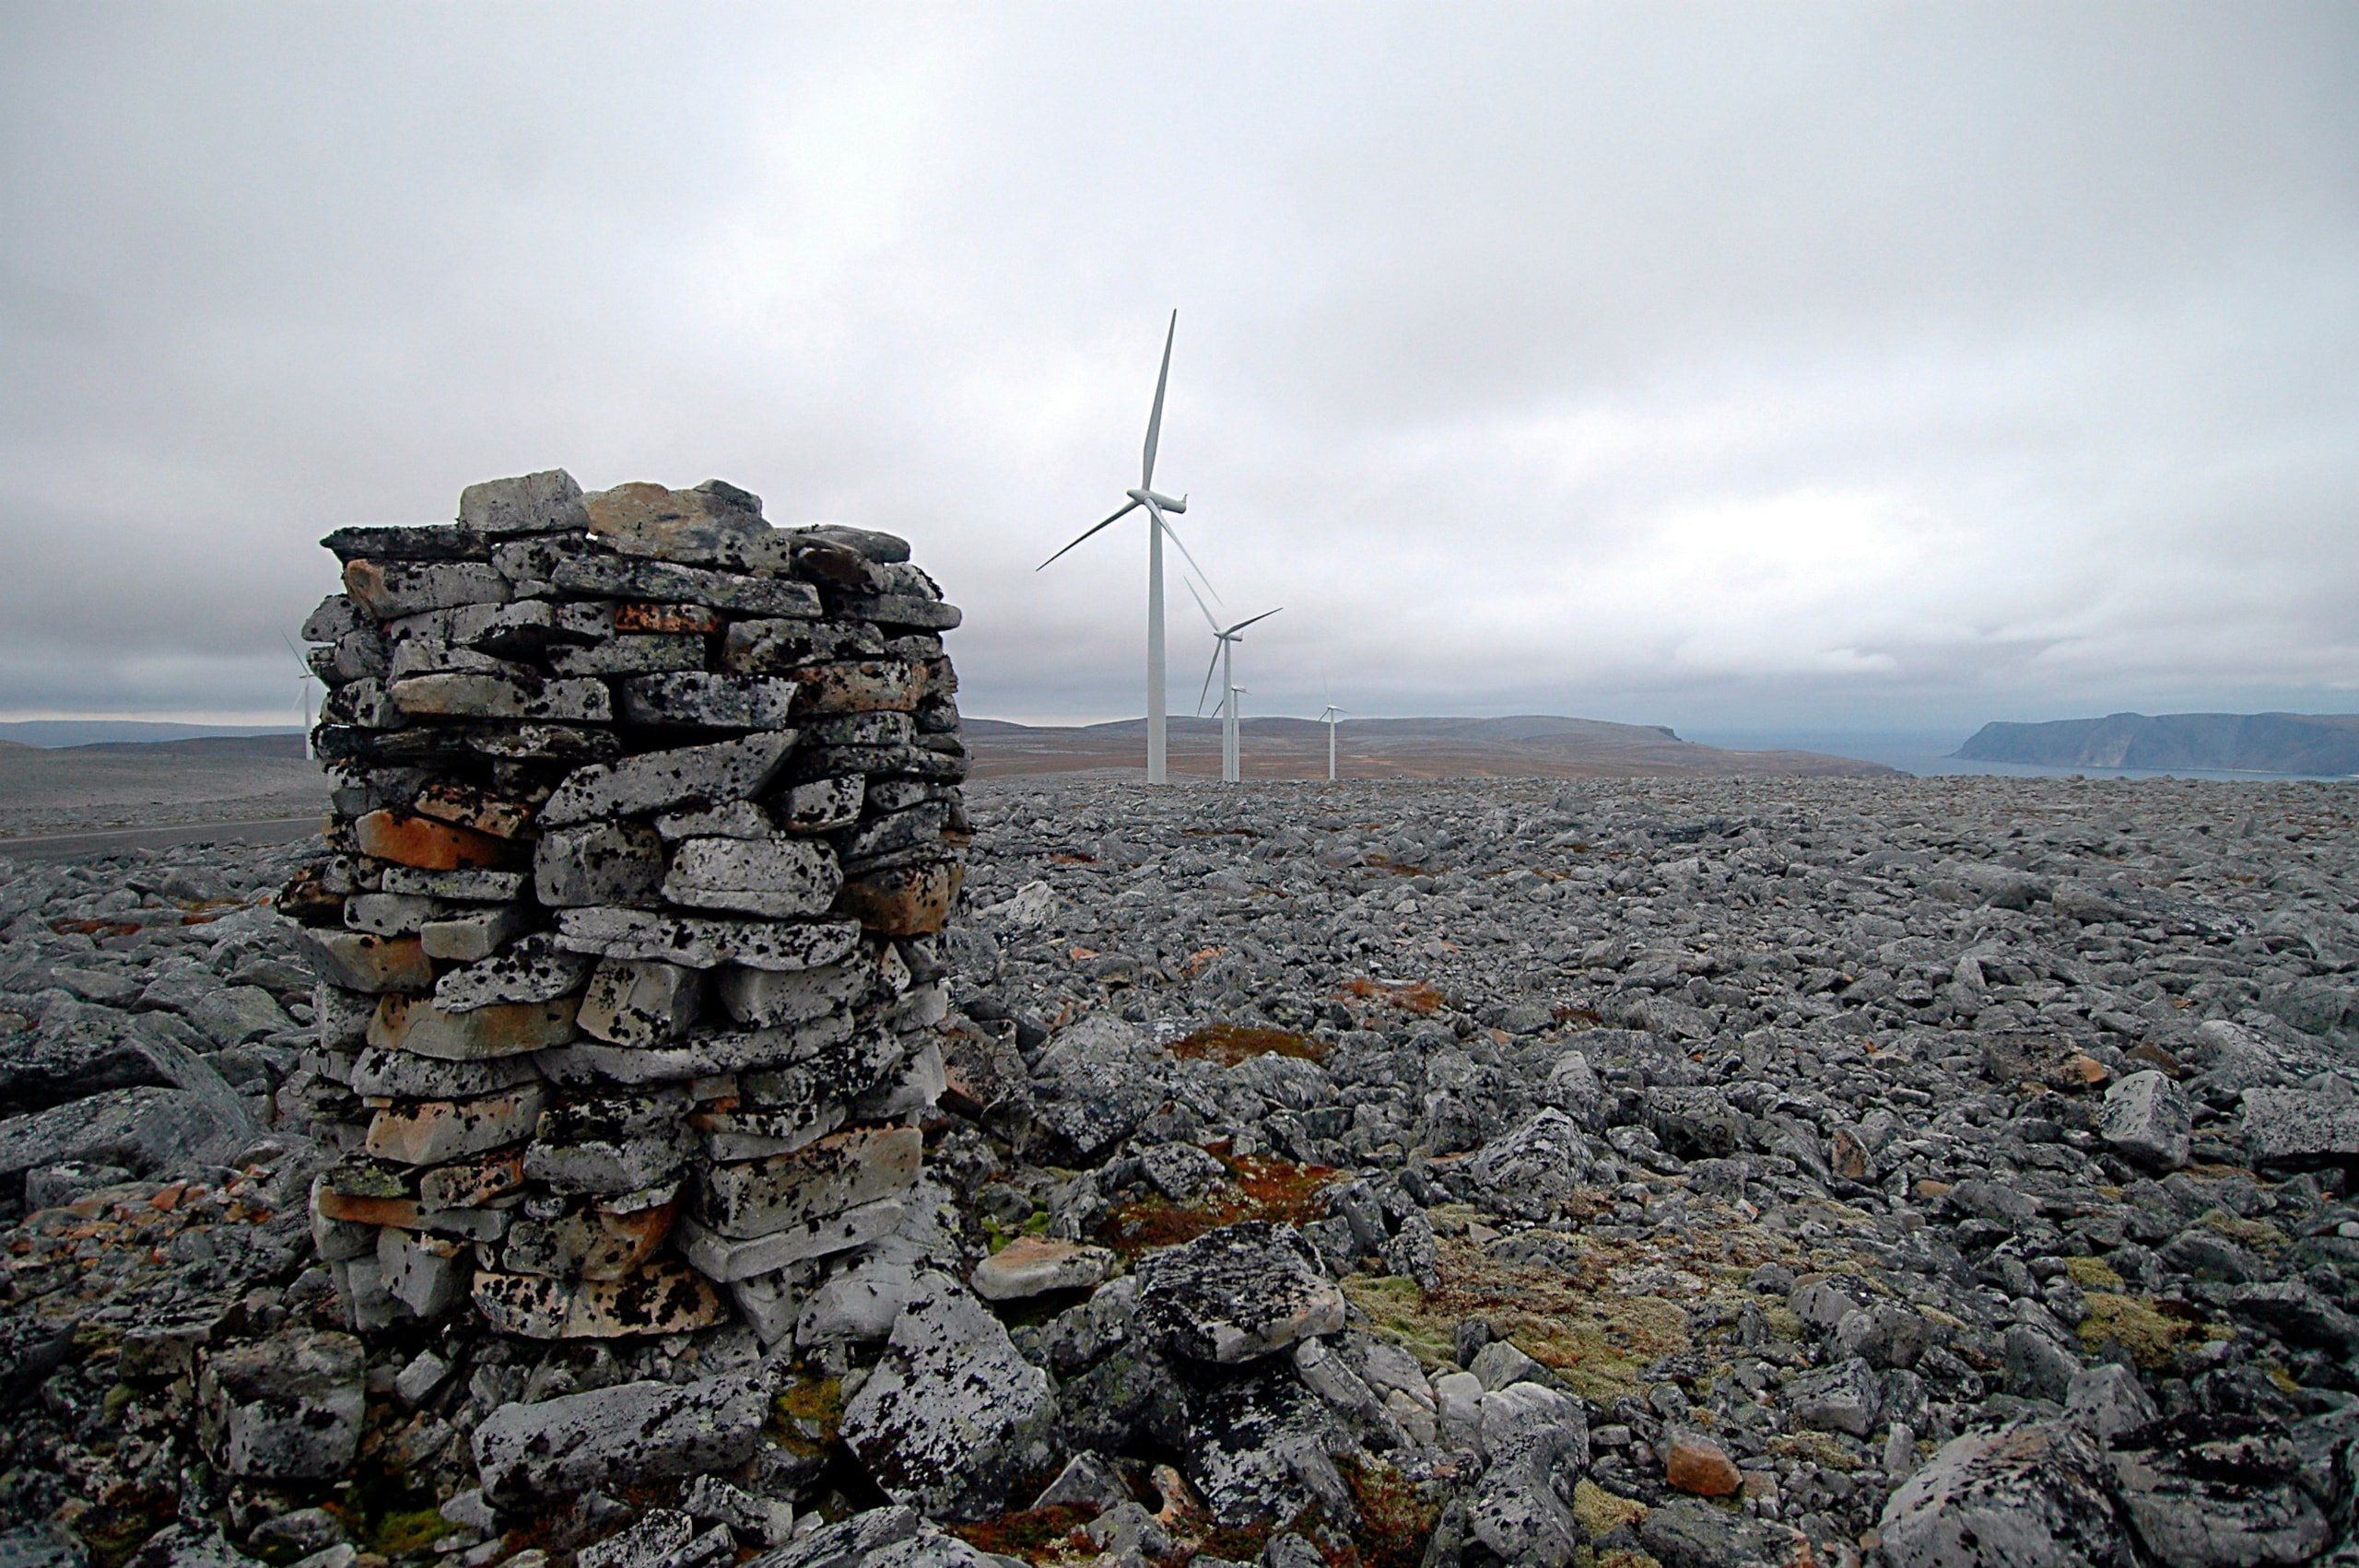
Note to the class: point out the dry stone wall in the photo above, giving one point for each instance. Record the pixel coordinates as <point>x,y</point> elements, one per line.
<point>647,814</point>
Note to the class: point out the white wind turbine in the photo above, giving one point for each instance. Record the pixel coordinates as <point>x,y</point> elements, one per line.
<point>310,675</point>
<point>1329,718</point>
<point>1157,505</point>
<point>1224,641</point>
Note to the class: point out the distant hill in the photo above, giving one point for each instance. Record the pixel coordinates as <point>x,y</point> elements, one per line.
<point>2238,742</point>
<point>103,731</point>
<point>1522,746</point>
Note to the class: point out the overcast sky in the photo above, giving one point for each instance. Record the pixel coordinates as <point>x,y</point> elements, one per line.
<point>1768,366</point>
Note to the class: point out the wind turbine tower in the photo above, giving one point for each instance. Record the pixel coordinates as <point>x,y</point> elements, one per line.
<point>1224,640</point>
<point>1329,718</point>
<point>1157,506</point>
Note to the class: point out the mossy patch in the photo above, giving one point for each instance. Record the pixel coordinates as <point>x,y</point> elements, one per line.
<point>1598,1339</point>
<point>1599,1512</point>
<point>807,1414</point>
<point>2092,1274</point>
<point>2152,1332</point>
<point>2257,1235</point>
<point>1228,1044</point>
<point>407,1531</point>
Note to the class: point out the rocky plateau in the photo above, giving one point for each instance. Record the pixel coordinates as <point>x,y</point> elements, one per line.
<point>1693,1172</point>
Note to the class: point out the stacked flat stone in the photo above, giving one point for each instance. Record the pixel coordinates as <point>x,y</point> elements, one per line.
<point>646,815</point>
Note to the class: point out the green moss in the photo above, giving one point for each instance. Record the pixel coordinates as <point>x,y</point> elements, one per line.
<point>2092,1274</point>
<point>2259,1236</point>
<point>1599,1512</point>
<point>2143,1327</point>
<point>808,1414</point>
<point>407,1531</point>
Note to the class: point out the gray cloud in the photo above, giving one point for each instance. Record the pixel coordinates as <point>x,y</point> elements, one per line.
<point>1740,366</point>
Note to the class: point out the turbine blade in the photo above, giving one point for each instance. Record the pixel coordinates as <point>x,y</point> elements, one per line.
<point>1200,605</point>
<point>1173,534</point>
<point>1108,523</point>
<point>1209,669</point>
<point>1242,624</point>
<point>1155,420</point>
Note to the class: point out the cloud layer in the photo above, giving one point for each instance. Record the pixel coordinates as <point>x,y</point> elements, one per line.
<point>1809,367</point>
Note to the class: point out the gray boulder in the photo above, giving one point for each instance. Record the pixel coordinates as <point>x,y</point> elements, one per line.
<point>284,1408</point>
<point>149,1131</point>
<point>2029,1495</point>
<point>1685,1533</point>
<point>1235,1293</point>
<point>1538,1442</point>
<point>2210,1491</point>
<point>1844,1397</point>
<point>1095,1083</point>
<point>1530,1170</point>
<point>2147,1120</point>
<point>2301,1127</point>
<point>634,1432</point>
<point>951,1420</point>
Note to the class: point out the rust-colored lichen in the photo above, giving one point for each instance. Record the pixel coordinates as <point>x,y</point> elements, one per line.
<point>1396,1520</point>
<point>1228,1044</point>
<point>1413,997</point>
<point>1258,1187</point>
<point>1036,1535</point>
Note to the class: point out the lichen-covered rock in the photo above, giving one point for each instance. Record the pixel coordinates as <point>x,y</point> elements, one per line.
<point>1682,1533</point>
<point>287,1407</point>
<point>2216,1491</point>
<point>1537,1439</point>
<point>1528,1172</point>
<point>631,1432</point>
<point>2147,1120</point>
<point>953,1421</point>
<point>1095,1085</point>
<point>1236,1293</point>
<point>2030,1495</point>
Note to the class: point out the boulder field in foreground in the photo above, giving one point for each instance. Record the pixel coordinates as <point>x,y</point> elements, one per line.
<point>1903,1172</point>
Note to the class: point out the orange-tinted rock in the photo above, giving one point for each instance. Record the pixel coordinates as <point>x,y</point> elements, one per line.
<point>511,1029</point>
<point>464,805</point>
<point>876,685</point>
<point>360,961</point>
<point>426,1132</point>
<point>593,1241</point>
<point>1698,1465</point>
<point>906,901</point>
<point>640,617</point>
<point>430,845</point>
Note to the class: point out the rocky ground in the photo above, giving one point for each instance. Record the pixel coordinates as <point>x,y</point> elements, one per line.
<point>1938,1172</point>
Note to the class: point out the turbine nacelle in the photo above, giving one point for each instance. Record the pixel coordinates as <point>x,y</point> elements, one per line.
<point>1146,498</point>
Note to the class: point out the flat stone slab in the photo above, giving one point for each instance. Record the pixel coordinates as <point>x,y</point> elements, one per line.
<point>702,944</point>
<point>667,780</point>
<point>631,1432</point>
<point>1031,1266</point>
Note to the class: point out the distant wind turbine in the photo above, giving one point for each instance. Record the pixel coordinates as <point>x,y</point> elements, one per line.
<point>310,675</point>
<point>1157,505</point>
<point>1329,719</point>
<point>1224,641</point>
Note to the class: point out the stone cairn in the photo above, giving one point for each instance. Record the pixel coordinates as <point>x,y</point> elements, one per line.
<point>646,813</point>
